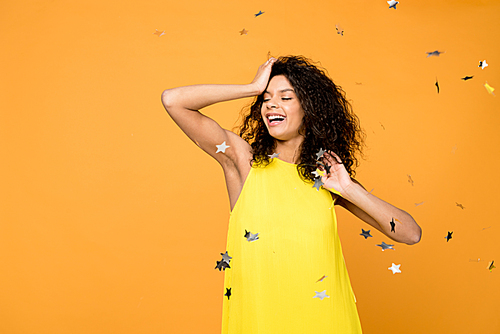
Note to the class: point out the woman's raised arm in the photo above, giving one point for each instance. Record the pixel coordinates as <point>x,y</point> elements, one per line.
<point>183,104</point>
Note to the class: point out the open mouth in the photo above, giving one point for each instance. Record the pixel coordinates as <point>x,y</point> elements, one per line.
<point>275,119</point>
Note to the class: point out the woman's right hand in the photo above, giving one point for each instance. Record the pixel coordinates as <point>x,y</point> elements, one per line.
<point>262,77</point>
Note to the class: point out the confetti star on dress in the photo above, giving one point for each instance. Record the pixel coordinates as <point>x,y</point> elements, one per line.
<point>448,237</point>
<point>317,173</point>
<point>467,77</point>
<point>483,64</point>
<point>226,257</point>
<point>250,236</point>
<point>274,155</point>
<point>460,205</point>
<point>417,204</point>
<point>321,279</point>
<point>489,88</point>
<point>385,246</point>
<point>243,32</point>
<point>222,147</point>
<point>321,295</point>
<point>410,180</point>
<point>392,4</point>
<point>228,293</point>
<point>395,268</point>
<point>393,225</point>
<point>159,33</point>
<point>437,85</point>
<point>317,183</point>
<point>259,13</point>
<point>434,53</point>
<point>366,234</point>
<point>319,155</point>
<point>491,266</point>
<point>222,265</point>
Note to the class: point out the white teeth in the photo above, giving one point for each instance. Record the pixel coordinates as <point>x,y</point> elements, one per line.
<point>275,117</point>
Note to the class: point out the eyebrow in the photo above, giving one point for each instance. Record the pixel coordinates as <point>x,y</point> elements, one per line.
<point>281,91</point>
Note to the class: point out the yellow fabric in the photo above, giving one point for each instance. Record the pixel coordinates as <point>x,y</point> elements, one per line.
<point>273,279</point>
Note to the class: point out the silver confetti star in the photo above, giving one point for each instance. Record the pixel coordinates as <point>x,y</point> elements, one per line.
<point>482,64</point>
<point>385,246</point>
<point>250,236</point>
<point>395,268</point>
<point>226,257</point>
<point>366,234</point>
<point>274,155</point>
<point>434,53</point>
<point>392,4</point>
<point>222,265</point>
<point>320,153</point>
<point>317,183</point>
<point>393,225</point>
<point>321,295</point>
<point>222,147</point>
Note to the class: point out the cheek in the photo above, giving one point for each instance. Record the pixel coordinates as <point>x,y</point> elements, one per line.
<point>300,113</point>
<point>262,118</point>
<point>261,114</point>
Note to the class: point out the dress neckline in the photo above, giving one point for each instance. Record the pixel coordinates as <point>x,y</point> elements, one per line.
<point>288,163</point>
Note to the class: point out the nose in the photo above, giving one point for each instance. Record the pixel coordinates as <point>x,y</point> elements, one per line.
<point>271,104</point>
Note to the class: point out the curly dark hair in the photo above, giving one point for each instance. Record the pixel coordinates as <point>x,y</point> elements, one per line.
<point>329,122</point>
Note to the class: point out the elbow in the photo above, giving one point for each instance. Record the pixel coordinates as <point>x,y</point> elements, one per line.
<point>170,99</point>
<point>415,236</point>
<point>166,99</point>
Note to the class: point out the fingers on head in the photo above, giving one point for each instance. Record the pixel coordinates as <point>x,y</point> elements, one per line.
<point>334,157</point>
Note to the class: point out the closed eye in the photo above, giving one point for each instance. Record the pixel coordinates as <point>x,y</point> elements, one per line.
<point>286,98</point>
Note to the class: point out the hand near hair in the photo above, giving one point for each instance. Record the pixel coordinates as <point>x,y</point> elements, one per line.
<point>262,77</point>
<point>338,179</point>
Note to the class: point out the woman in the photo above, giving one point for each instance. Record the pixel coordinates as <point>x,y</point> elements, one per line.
<point>284,268</point>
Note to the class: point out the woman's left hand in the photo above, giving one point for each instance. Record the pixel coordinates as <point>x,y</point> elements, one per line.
<point>338,179</point>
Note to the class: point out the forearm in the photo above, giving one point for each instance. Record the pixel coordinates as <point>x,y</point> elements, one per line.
<point>405,228</point>
<point>199,96</point>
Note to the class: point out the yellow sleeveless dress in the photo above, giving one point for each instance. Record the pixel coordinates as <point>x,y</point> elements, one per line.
<point>277,281</point>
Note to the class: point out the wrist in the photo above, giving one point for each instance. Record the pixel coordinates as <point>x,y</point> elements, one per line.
<point>254,89</point>
<point>350,191</point>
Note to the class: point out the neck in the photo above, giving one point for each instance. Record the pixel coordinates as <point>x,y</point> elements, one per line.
<point>289,150</point>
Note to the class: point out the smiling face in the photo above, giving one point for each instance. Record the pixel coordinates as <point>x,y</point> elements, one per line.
<point>281,110</point>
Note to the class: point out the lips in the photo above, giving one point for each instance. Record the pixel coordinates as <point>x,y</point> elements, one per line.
<point>274,119</point>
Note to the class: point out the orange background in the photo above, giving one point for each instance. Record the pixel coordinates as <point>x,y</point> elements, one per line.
<point>112,220</point>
